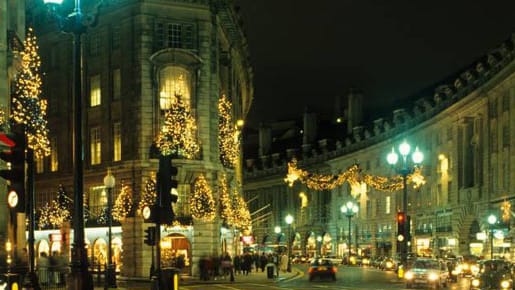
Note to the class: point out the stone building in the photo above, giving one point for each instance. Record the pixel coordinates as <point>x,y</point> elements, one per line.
<point>466,130</point>
<point>136,56</point>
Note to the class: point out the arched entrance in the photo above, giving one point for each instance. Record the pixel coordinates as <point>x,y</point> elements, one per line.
<point>175,247</point>
<point>311,245</point>
<point>326,248</point>
<point>297,245</point>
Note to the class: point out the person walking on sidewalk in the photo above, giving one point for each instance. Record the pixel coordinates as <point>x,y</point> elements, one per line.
<point>283,263</point>
<point>262,262</point>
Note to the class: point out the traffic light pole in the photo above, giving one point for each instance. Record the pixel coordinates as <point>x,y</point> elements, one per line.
<point>404,243</point>
<point>31,279</point>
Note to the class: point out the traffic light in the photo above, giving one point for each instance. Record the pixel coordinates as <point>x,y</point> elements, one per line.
<point>401,226</point>
<point>14,172</point>
<point>166,188</point>
<point>150,236</point>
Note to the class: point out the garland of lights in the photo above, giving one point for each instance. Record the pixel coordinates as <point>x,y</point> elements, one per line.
<point>55,213</point>
<point>123,204</point>
<point>3,120</point>
<point>149,194</point>
<point>242,219</point>
<point>202,205</point>
<point>506,211</point>
<point>228,139</point>
<point>27,107</point>
<point>226,209</point>
<point>178,134</point>
<point>353,176</point>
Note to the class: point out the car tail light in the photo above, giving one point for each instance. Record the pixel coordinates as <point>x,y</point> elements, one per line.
<point>333,269</point>
<point>310,270</point>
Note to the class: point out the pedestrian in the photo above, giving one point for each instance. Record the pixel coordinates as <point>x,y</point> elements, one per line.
<point>262,262</point>
<point>237,264</point>
<point>43,269</point>
<point>283,263</point>
<point>180,263</point>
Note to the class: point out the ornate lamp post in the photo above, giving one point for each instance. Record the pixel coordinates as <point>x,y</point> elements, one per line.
<point>350,209</point>
<point>110,275</point>
<point>492,219</point>
<point>405,168</point>
<point>319,244</point>
<point>289,221</point>
<point>76,24</point>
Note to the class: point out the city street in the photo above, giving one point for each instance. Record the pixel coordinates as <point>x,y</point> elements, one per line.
<point>347,278</point>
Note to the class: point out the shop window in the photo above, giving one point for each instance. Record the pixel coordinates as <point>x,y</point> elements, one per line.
<point>175,82</point>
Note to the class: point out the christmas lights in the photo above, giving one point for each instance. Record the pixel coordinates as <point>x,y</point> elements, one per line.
<point>178,134</point>
<point>123,204</point>
<point>228,136</point>
<point>202,205</point>
<point>149,194</point>
<point>226,210</point>
<point>27,107</point>
<point>55,213</point>
<point>242,219</point>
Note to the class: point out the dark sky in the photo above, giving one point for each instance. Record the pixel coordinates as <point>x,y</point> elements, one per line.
<point>304,53</point>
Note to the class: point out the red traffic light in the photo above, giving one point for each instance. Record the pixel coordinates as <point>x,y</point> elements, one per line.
<point>401,217</point>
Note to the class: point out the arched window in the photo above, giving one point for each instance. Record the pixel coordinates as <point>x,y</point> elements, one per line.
<point>175,81</point>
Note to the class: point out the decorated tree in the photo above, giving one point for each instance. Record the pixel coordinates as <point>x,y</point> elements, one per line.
<point>57,211</point>
<point>123,204</point>
<point>149,195</point>
<point>202,205</point>
<point>228,137</point>
<point>242,219</point>
<point>226,210</point>
<point>27,106</point>
<point>178,134</point>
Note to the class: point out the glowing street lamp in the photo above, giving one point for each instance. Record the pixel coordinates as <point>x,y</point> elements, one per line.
<point>492,220</point>
<point>289,221</point>
<point>350,209</point>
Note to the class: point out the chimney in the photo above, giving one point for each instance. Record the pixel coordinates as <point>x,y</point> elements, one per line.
<point>265,139</point>
<point>355,109</point>
<point>310,128</point>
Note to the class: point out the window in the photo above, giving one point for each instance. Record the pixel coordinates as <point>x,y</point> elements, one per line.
<point>174,35</point>
<point>388,205</point>
<point>117,84</point>
<point>40,164</point>
<point>174,82</point>
<point>54,161</point>
<point>94,43</point>
<point>115,36</point>
<point>95,146</point>
<point>117,142</point>
<point>95,93</point>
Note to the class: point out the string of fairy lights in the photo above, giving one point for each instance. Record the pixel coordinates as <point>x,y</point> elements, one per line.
<point>202,204</point>
<point>353,175</point>
<point>27,106</point>
<point>123,204</point>
<point>228,139</point>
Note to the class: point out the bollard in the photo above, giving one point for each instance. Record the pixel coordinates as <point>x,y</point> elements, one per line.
<point>400,272</point>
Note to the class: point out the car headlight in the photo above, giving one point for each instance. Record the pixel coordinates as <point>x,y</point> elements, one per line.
<point>455,272</point>
<point>432,277</point>
<point>475,282</point>
<point>505,284</point>
<point>408,275</point>
<point>466,266</point>
<point>474,269</point>
<point>389,264</point>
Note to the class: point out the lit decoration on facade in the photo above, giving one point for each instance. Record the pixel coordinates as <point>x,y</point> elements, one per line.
<point>27,106</point>
<point>149,195</point>
<point>123,204</point>
<point>55,213</point>
<point>202,205</point>
<point>353,176</point>
<point>242,219</point>
<point>3,120</point>
<point>229,137</point>
<point>178,134</point>
<point>506,211</point>
<point>226,210</point>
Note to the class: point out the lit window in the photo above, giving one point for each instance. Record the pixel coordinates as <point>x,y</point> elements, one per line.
<point>54,161</point>
<point>40,165</point>
<point>174,82</point>
<point>95,146</point>
<point>117,142</point>
<point>95,92</point>
<point>117,84</point>
<point>388,204</point>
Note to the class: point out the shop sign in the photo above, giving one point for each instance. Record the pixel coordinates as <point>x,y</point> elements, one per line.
<point>247,239</point>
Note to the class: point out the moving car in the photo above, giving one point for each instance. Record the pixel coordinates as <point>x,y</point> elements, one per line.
<point>389,264</point>
<point>429,272</point>
<point>322,268</point>
<point>470,265</point>
<point>493,274</point>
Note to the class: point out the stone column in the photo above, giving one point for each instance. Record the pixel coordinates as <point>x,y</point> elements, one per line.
<point>205,242</point>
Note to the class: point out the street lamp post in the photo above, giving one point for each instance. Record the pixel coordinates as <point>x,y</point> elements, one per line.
<point>75,24</point>
<point>110,275</point>
<point>319,245</point>
<point>405,168</point>
<point>350,209</point>
<point>289,221</point>
<point>492,219</point>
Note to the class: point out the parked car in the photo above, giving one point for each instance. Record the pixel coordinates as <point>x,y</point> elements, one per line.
<point>428,272</point>
<point>322,268</point>
<point>389,264</point>
<point>493,274</point>
<point>470,266</point>
<point>335,260</point>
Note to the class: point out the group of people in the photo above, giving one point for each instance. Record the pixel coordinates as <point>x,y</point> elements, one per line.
<point>51,270</point>
<point>213,267</point>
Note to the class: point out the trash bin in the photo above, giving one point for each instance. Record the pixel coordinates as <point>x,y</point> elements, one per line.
<point>169,280</point>
<point>270,269</point>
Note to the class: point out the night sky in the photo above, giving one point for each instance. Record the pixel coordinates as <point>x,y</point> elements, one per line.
<point>304,53</point>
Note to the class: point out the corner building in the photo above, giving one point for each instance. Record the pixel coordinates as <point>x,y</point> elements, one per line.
<point>139,54</point>
<point>465,127</point>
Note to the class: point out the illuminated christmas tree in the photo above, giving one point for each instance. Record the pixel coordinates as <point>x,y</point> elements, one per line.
<point>55,213</point>
<point>228,137</point>
<point>178,134</point>
<point>123,204</point>
<point>242,219</point>
<point>149,194</point>
<point>226,210</point>
<point>27,106</point>
<point>202,205</point>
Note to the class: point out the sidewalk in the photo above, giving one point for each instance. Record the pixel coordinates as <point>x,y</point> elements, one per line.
<point>254,277</point>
